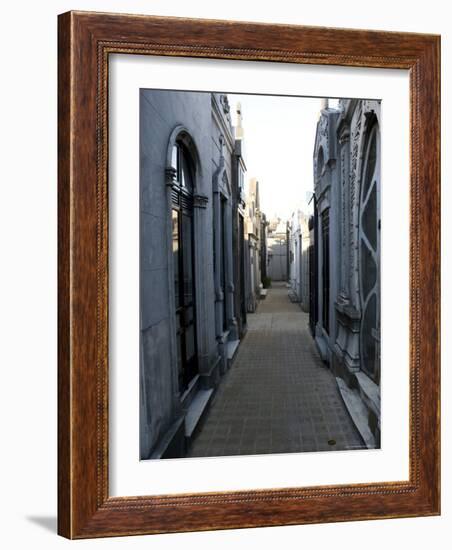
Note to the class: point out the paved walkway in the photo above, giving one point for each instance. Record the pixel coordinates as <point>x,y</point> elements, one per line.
<point>278,397</point>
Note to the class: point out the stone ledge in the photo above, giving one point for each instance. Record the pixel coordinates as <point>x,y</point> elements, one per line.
<point>370,394</point>
<point>196,410</point>
<point>358,412</point>
<point>231,349</point>
<point>190,392</point>
<point>172,444</point>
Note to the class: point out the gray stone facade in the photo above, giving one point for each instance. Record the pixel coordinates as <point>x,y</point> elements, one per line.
<point>346,231</point>
<point>198,128</point>
<point>205,248</point>
<point>277,250</point>
<point>299,241</point>
<point>253,230</point>
<point>239,243</point>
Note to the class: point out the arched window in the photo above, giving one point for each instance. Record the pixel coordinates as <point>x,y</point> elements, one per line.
<point>183,262</point>
<point>369,249</point>
<point>182,163</point>
<point>320,163</point>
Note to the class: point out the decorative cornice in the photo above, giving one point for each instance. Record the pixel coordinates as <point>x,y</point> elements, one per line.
<point>170,176</point>
<point>200,201</point>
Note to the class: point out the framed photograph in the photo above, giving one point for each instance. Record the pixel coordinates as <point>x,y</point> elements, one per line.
<point>248,275</point>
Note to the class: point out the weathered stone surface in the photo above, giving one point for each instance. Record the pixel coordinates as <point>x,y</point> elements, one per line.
<point>152,187</point>
<point>154,297</point>
<point>153,236</point>
<point>156,386</point>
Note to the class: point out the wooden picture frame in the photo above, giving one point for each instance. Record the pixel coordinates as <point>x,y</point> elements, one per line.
<point>85,42</point>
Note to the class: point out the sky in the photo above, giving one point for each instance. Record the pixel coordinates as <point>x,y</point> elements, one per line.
<point>279,135</point>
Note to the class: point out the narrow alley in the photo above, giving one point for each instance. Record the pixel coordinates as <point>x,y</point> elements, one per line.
<point>278,396</point>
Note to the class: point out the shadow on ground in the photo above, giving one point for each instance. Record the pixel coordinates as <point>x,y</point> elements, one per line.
<point>49,523</point>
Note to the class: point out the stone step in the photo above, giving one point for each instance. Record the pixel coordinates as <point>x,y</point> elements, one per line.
<point>231,349</point>
<point>195,410</point>
<point>358,412</point>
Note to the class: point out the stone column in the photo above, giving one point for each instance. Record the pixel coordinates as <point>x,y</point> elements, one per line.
<point>347,306</point>
<point>229,283</point>
<point>354,182</point>
<point>344,142</point>
<point>200,248</point>
<point>219,297</point>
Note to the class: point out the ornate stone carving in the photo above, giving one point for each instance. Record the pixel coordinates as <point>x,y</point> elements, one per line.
<point>323,126</point>
<point>321,142</point>
<point>342,105</point>
<point>225,104</point>
<point>200,201</point>
<point>354,196</point>
<point>323,131</point>
<point>344,215</point>
<point>170,176</point>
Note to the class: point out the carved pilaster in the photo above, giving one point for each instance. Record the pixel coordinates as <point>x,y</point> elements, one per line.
<point>354,205</point>
<point>344,142</point>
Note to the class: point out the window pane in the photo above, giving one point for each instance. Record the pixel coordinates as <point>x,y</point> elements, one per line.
<point>175,233</point>
<point>186,177</point>
<point>174,156</point>
<point>371,161</point>
<point>187,255</point>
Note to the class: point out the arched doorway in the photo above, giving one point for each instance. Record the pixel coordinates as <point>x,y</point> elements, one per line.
<point>183,263</point>
<point>369,250</point>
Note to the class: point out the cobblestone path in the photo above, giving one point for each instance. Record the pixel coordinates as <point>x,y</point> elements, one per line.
<point>278,396</point>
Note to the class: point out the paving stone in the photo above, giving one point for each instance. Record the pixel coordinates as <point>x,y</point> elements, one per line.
<point>278,396</point>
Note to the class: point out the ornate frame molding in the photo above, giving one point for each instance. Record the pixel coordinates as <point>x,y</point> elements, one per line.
<point>85,42</point>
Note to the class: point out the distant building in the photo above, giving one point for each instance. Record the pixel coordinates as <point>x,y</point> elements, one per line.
<point>299,241</point>
<point>264,252</point>
<point>277,250</point>
<point>253,230</point>
<point>345,230</point>
<point>239,243</point>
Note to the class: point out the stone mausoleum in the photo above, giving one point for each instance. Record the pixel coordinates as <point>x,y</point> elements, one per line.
<point>345,312</point>
<point>192,295</point>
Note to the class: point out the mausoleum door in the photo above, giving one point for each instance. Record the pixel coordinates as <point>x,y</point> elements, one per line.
<point>184,272</point>
<point>326,270</point>
<point>369,264</point>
